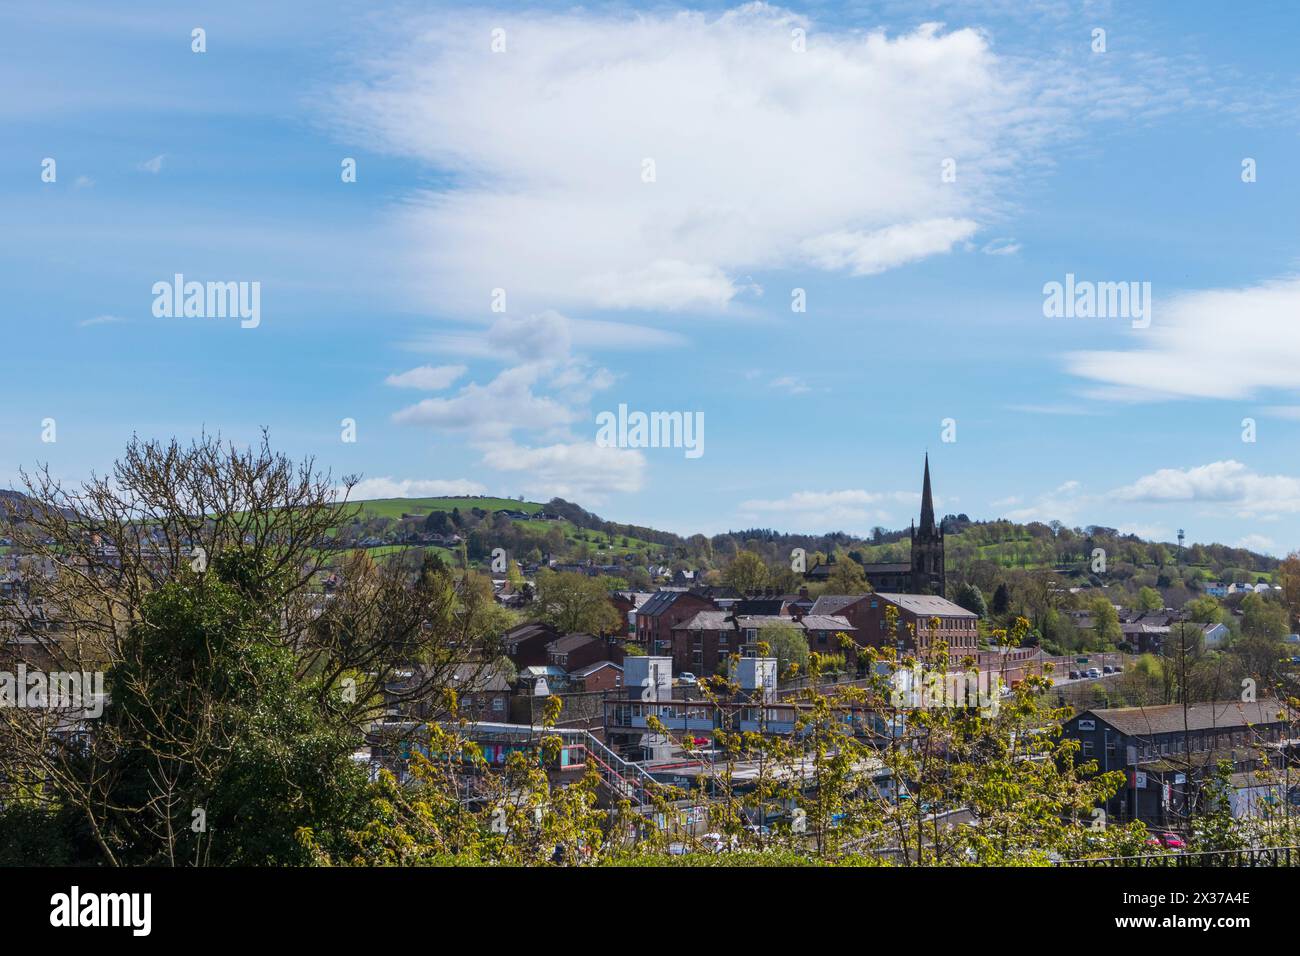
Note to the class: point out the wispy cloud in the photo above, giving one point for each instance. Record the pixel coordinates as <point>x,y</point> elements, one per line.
<point>1000,247</point>
<point>1216,343</point>
<point>592,173</point>
<point>851,509</point>
<point>153,166</point>
<point>1227,484</point>
<point>369,488</point>
<point>571,469</point>
<point>427,377</point>
<point>100,320</point>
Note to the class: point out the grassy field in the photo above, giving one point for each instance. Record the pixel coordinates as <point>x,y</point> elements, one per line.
<point>396,507</point>
<point>598,542</point>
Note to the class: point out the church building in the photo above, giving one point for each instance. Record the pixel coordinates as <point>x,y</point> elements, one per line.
<point>924,574</point>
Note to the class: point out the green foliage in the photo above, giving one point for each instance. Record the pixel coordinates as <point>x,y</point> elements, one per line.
<point>207,700</point>
<point>575,603</point>
<point>788,645</point>
<point>969,597</point>
<point>847,577</point>
<point>747,573</point>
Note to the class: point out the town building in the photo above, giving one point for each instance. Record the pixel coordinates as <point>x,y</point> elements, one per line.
<point>925,573</point>
<point>657,617</point>
<point>916,627</point>
<point>1169,752</point>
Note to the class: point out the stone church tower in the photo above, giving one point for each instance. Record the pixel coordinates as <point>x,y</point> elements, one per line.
<point>927,546</point>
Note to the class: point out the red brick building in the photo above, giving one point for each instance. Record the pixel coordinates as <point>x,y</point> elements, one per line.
<point>601,676</point>
<point>657,617</point>
<point>703,643</point>
<point>957,626</point>
<point>575,651</point>
<point>526,644</point>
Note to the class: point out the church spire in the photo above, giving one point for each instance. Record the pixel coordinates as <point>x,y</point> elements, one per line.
<point>927,504</point>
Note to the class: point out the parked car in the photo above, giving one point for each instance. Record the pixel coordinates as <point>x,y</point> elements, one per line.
<point>686,677</point>
<point>1172,841</point>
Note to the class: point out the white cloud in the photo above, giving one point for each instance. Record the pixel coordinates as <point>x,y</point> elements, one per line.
<point>427,377</point>
<point>504,404</point>
<point>867,253</point>
<point>369,488</point>
<point>546,335</point>
<point>791,385</point>
<point>823,511</point>
<point>1228,483</point>
<point>1257,542</point>
<point>1228,488</point>
<point>1217,343</point>
<point>588,334</point>
<point>547,141</point>
<point>1000,247</point>
<point>571,470</point>
<point>100,320</point>
<point>152,165</point>
<point>1065,503</point>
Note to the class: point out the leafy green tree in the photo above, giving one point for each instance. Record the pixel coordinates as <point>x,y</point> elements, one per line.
<point>847,577</point>
<point>788,645</point>
<point>1105,619</point>
<point>747,573</point>
<point>1149,599</point>
<point>969,597</point>
<point>575,603</point>
<point>236,693</point>
<point>1262,617</point>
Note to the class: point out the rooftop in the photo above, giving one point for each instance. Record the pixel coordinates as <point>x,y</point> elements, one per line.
<point>926,605</point>
<point>1168,718</point>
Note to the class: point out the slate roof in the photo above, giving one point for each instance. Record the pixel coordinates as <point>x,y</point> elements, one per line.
<point>827,622</point>
<point>1168,718</point>
<point>834,603</point>
<point>569,642</point>
<point>659,602</point>
<point>764,620</point>
<point>927,605</point>
<point>707,621</point>
<point>592,668</point>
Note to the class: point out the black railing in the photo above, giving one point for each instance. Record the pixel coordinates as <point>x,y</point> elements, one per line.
<point>1272,856</point>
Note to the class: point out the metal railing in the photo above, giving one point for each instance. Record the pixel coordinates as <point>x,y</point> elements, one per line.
<point>1270,856</point>
<point>627,780</point>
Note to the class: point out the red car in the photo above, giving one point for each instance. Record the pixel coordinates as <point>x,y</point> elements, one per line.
<point>1172,841</point>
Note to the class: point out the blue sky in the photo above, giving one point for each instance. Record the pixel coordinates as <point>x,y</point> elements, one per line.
<point>775,169</point>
